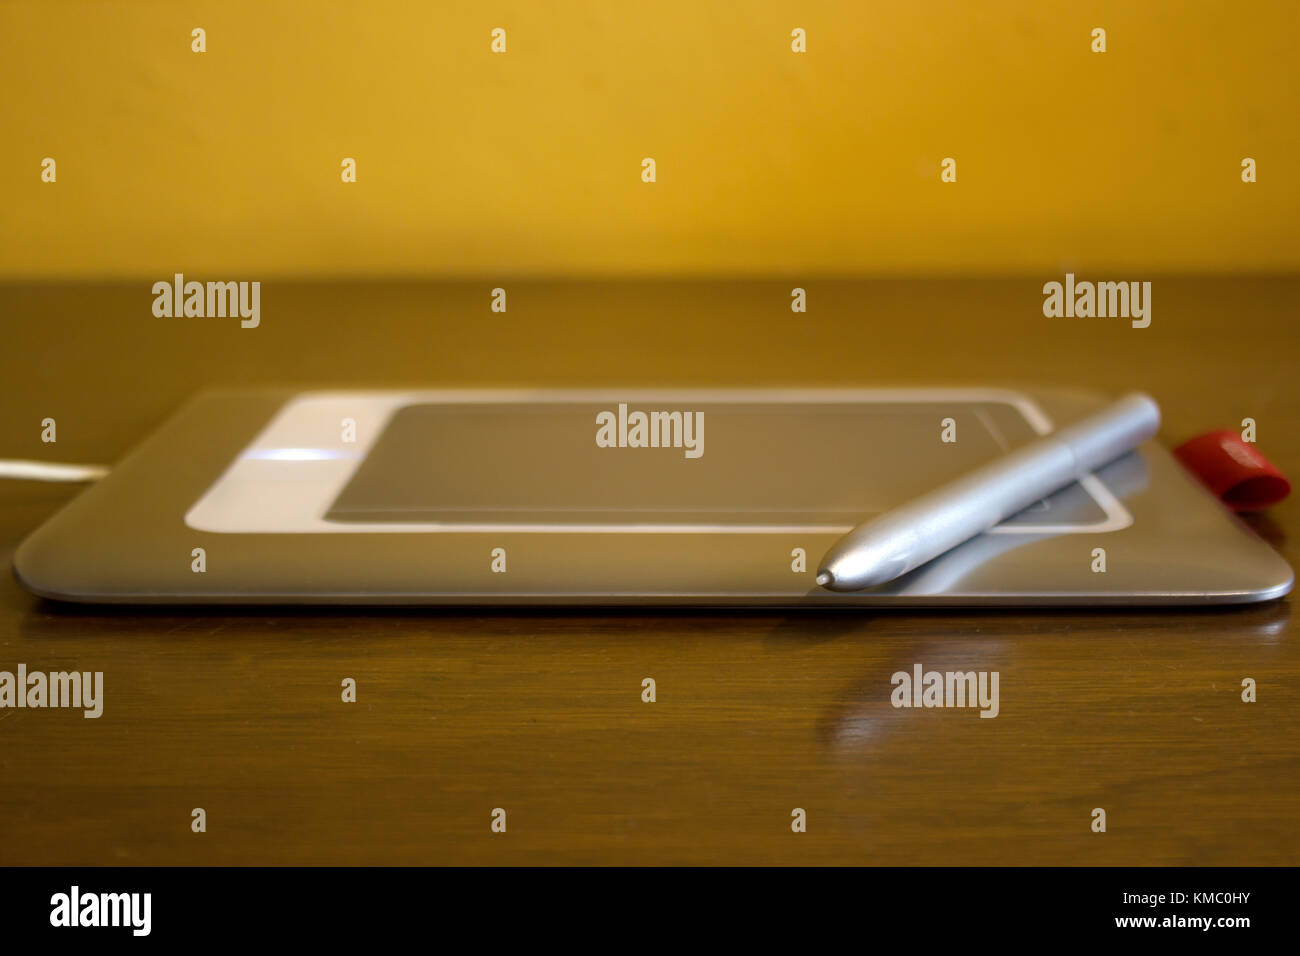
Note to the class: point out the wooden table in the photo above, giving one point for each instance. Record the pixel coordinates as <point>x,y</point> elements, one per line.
<point>239,712</point>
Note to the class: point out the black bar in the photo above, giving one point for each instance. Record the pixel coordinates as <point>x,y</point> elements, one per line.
<point>671,906</point>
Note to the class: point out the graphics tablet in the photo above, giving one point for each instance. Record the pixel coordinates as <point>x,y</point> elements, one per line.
<point>618,497</point>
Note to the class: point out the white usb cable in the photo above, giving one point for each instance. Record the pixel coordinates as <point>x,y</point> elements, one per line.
<point>47,471</point>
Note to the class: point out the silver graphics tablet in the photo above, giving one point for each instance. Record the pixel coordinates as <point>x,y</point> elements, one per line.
<point>618,497</point>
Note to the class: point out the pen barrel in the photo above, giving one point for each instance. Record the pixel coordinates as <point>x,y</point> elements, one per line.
<point>908,536</point>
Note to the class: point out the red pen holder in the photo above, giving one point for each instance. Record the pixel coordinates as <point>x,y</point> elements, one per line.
<point>1242,478</point>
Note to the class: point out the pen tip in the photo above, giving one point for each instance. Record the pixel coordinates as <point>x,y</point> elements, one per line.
<point>824,578</point>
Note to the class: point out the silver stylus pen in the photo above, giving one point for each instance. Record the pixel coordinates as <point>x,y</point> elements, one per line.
<point>906,537</point>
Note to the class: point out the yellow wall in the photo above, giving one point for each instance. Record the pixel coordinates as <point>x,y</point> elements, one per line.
<point>529,162</point>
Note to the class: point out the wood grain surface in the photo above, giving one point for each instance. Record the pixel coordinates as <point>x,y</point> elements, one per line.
<point>540,713</point>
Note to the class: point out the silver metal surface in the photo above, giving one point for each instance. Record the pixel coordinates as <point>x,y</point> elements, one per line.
<point>811,464</point>
<point>906,537</point>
